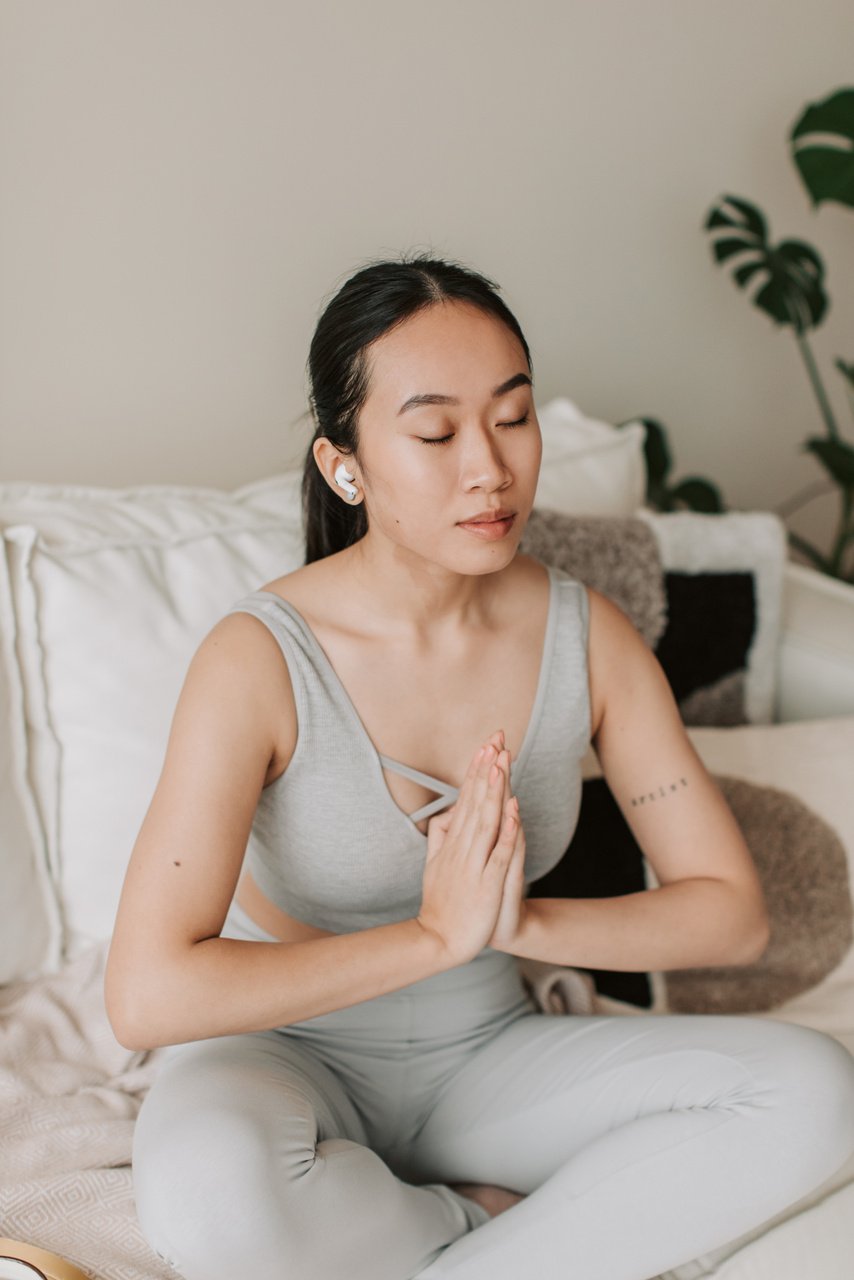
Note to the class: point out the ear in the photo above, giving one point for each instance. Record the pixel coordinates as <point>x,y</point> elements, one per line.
<point>328,457</point>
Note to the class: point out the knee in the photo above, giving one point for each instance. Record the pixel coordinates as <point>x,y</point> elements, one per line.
<point>810,1077</point>
<point>212,1196</point>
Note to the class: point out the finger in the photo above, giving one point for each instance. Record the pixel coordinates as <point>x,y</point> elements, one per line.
<point>505,845</point>
<point>503,759</point>
<point>437,831</point>
<point>471,793</point>
<point>503,763</point>
<point>483,818</point>
<point>520,839</point>
<point>475,786</point>
<point>443,819</point>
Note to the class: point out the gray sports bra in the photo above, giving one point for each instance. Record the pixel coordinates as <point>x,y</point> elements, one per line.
<point>329,844</point>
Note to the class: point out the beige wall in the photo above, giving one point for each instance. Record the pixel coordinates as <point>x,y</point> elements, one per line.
<point>185,181</point>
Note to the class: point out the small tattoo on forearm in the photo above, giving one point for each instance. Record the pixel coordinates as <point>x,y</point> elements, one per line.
<point>660,793</point>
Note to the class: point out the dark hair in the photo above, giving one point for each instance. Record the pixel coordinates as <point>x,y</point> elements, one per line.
<point>375,300</point>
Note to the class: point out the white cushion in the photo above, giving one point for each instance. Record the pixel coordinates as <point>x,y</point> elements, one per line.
<point>816,654</point>
<point>110,593</point>
<point>30,934</point>
<point>588,467</point>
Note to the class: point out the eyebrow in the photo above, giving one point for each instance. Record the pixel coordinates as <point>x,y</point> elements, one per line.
<point>518,380</point>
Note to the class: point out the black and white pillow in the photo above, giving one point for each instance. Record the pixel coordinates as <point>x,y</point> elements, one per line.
<point>705,591</point>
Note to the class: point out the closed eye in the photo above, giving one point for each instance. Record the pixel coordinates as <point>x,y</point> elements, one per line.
<point>520,422</point>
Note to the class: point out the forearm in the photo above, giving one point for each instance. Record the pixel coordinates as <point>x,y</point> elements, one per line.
<point>683,925</point>
<point>225,986</point>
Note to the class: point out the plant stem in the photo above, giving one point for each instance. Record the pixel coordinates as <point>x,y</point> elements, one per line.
<point>806,494</point>
<point>812,370</point>
<point>845,531</point>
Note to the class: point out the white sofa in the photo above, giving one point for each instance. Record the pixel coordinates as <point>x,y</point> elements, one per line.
<point>104,595</point>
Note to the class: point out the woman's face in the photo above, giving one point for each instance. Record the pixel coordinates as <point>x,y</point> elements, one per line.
<point>418,493</point>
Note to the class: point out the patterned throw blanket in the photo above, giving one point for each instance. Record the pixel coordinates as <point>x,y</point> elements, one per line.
<point>69,1096</point>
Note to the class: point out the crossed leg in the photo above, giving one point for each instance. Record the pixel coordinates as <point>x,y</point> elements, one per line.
<point>249,1157</point>
<point>639,1143</point>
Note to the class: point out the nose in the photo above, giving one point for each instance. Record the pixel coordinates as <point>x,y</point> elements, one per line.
<point>483,463</point>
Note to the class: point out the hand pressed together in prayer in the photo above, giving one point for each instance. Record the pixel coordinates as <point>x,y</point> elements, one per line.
<point>485,826</point>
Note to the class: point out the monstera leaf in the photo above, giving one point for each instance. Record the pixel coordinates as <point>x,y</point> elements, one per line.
<point>793,292</point>
<point>694,492</point>
<point>827,169</point>
<point>837,458</point>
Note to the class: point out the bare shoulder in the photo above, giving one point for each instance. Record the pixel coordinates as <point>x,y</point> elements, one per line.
<point>241,655</point>
<point>617,655</point>
<point>307,586</point>
<point>609,624</point>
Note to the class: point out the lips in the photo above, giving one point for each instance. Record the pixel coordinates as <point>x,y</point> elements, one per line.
<point>490,530</point>
<point>489,517</point>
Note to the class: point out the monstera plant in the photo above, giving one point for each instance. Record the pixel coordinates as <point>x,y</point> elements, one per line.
<point>788,285</point>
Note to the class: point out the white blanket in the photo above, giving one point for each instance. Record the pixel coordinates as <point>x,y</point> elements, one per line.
<point>69,1096</point>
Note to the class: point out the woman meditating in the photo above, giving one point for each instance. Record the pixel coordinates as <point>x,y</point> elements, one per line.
<point>370,760</point>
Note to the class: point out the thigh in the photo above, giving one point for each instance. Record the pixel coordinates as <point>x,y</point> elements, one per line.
<point>549,1085</point>
<point>250,1158</point>
<point>254,1080</point>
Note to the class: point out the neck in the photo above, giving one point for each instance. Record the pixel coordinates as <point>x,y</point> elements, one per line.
<point>403,596</point>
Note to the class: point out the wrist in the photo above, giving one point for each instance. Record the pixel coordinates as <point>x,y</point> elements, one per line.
<point>513,944</point>
<point>434,946</point>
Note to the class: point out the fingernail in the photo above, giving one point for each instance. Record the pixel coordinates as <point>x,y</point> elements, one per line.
<point>489,752</point>
<point>494,773</point>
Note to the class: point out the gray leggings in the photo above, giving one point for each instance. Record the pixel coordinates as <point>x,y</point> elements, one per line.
<point>322,1150</point>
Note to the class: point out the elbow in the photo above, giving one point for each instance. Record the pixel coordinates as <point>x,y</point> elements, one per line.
<point>123,1027</point>
<point>122,1009</point>
<point>758,939</point>
<point>129,1041</point>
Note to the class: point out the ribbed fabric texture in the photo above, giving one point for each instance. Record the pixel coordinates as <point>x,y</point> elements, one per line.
<point>329,844</point>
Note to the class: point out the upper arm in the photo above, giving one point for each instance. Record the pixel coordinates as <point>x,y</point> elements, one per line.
<point>675,809</point>
<point>234,713</point>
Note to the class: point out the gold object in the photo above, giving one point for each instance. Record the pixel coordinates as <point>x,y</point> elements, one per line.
<point>38,1263</point>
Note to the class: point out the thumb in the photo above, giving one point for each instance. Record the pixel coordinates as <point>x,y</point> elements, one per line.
<point>437,829</point>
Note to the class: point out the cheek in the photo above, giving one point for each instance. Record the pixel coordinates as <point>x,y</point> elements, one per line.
<point>410,493</point>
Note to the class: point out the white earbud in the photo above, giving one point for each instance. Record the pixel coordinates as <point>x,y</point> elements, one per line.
<point>342,475</point>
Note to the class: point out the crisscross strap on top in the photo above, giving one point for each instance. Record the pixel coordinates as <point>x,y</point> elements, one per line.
<point>330,846</point>
<point>448,793</point>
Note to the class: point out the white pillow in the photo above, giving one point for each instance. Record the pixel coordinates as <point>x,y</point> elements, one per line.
<point>30,934</point>
<point>816,657</point>
<point>109,593</point>
<point>589,468</point>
